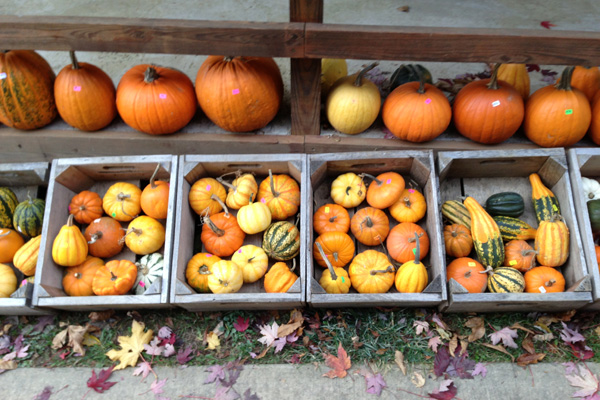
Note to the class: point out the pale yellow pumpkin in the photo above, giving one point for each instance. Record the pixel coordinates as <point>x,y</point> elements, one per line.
<point>412,276</point>
<point>332,69</point>
<point>253,261</point>
<point>348,190</point>
<point>8,281</point>
<point>145,235</point>
<point>122,201</point>
<point>226,277</point>
<point>254,218</point>
<point>333,280</point>
<point>240,190</point>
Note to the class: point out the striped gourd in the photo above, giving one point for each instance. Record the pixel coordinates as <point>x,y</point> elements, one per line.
<point>281,241</point>
<point>8,203</point>
<point>505,280</point>
<point>514,229</point>
<point>487,239</point>
<point>545,203</point>
<point>25,259</point>
<point>28,216</point>
<point>456,212</point>
<point>552,242</point>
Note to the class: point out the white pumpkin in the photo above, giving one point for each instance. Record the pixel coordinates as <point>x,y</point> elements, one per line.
<point>150,267</point>
<point>591,189</point>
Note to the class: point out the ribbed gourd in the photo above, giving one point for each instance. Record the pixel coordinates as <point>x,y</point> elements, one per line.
<point>505,280</point>
<point>545,203</point>
<point>487,239</point>
<point>29,216</point>
<point>457,213</point>
<point>552,242</point>
<point>281,241</point>
<point>514,228</point>
<point>8,203</point>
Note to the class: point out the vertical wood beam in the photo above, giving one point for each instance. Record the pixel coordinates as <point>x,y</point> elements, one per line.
<point>306,75</point>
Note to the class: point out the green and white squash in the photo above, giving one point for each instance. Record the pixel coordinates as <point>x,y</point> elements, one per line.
<point>591,189</point>
<point>150,268</point>
<point>505,280</point>
<point>281,241</point>
<point>8,203</point>
<point>29,216</point>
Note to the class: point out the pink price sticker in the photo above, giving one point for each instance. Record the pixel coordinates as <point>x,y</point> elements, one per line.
<point>142,284</point>
<point>263,200</point>
<point>235,91</point>
<point>24,282</point>
<point>471,264</point>
<point>77,88</point>
<point>208,188</point>
<point>240,251</point>
<point>411,190</point>
<point>428,101</point>
<point>162,96</point>
<point>208,255</point>
<point>326,210</point>
<point>388,181</point>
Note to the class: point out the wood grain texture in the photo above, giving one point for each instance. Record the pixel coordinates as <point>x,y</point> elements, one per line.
<point>306,96</point>
<point>130,35</point>
<point>306,10</point>
<point>533,46</point>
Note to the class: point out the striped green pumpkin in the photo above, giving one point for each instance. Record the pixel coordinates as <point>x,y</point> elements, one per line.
<point>28,217</point>
<point>8,203</point>
<point>487,239</point>
<point>281,241</point>
<point>506,280</point>
<point>545,203</point>
<point>456,212</point>
<point>514,229</point>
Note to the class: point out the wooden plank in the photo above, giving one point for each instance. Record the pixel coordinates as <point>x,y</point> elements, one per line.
<point>534,46</point>
<point>306,10</point>
<point>141,35</point>
<point>306,96</point>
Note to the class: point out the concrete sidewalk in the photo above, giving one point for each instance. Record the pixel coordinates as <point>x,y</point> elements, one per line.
<point>503,380</point>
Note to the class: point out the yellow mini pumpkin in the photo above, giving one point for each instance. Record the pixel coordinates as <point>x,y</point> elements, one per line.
<point>254,217</point>
<point>412,276</point>
<point>145,235</point>
<point>8,281</point>
<point>333,280</point>
<point>225,277</point>
<point>25,259</point>
<point>198,269</point>
<point>348,190</point>
<point>240,190</point>
<point>70,248</point>
<point>371,272</point>
<point>253,261</point>
<point>122,201</point>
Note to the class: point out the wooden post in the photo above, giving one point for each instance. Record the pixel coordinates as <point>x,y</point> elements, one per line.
<point>306,75</point>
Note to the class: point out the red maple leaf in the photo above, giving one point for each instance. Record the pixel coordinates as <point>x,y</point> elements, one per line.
<point>241,324</point>
<point>340,364</point>
<point>547,24</point>
<point>99,383</point>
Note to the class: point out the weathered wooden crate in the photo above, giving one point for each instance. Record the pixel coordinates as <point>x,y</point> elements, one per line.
<point>417,166</point>
<point>187,232</point>
<point>23,179</point>
<point>480,174</point>
<point>585,162</point>
<point>71,176</point>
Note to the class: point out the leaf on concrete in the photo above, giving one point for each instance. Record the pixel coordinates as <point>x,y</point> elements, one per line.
<point>375,382</point>
<point>547,24</point>
<point>157,386</point>
<point>570,367</point>
<point>339,364</point>
<point>404,9</point>
<point>506,336</point>
<point>446,391</point>
<point>442,361</point>
<point>226,393</point>
<point>216,372</point>
<point>585,380</point>
<point>417,380</point>
<point>479,369</point>
<point>213,341</point>
<point>44,394</point>
<point>269,334</point>
<point>434,342</point>
<point>241,324</point>
<point>477,328</point>
<point>529,358</point>
<point>399,359</point>
<point>499,348</point>
<point>100,383</point>
<point>248,395</point>
<point>421,326</point>
<point>143,368</point>
<point>131,346</point>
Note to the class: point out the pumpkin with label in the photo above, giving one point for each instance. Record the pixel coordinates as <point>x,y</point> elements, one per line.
<point>77,280</point>
<point>410,207</point>
<point>544,280</point>
<point>122,201</point>
<point>331,218</point>
<point>402,243</point>
<point>10,243</point>
<point>253,261</point>
<point>105,237</point>
<point>371,272</point>
<point>468,273</point>
<point>385,189</point>
<point>281,194</point>
<point>519,255</point>
<point>150,268</point>
<point>116,277</point>
<point>86,206</point>
<point>198,269</point>
<point>70,248</point>
<point>280,278</point>
<point>144,235</point>
<point>207,197</point>
<point>221,234</point>
<point>25,259</point>
<point>370,226</point>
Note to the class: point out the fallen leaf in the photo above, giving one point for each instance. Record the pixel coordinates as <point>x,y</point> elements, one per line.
<point>399,359</point>
<point>570,367</point>
<point>131,346</point>
<point>446,391</point>
<point>527,345</point>
<point>584,380</point>
<point>529,358</point>
<point>570,335</point>
<point>157,386</point>
<point>44,394</point>
<point>183,356</point>
<point>421,326</point>
<point>270,333</point>
<point>295,322</point>
<point>453,345</point>
<point>375,382</point>
<point>99,383</point>
<point>499,348</point>
<point>43,321</point>
<point>477,328</point>
<point>76,334</point>
<point>517,325</point>
<point>403,9</point>
<point>581,351</point>
<point>212,341</point>
<point>506,336</point>
<point>143,368</point>
<point>90,340</point>
<point>433,343</point>
<point>165,332</point>
<point>280,344</point>
<point>442,361</point>
<point>546,337</point>
<point>381,352</point>
<point>169,350</point>
<point>153,347</point>
<point>226,393</point>
<point>547,24</point>
<point>7,365</point>
<point>217,372</point>
<point>241,324</point>
<point>417,380</point>
<point>479,369</point>
<point>436,318</point>
<point>98,316</point>
<point>339,364</point>
<point>248,395</point>
<point>59,339</point>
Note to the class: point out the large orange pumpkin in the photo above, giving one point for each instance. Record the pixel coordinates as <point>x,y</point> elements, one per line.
<point>156,100</point>
<point>221,234</point>
<point>488,111</point>
<point>586,79</point>
<point>85,96</point>
<point>239,94</point>
<point>416,111</point>
<point>26,90</point>
<point>557,115</point>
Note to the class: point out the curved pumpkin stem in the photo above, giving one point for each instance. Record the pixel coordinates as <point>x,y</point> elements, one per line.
<point>5,233</point>
<point>150,75</point>
<point>417,236</point>
<point>565,79</point>
<point>393,262</point>
<point>204,270</point>
<point>407,203</point>
<point>74,62</point>
<point>218,231</point>
<point>135,230</point>
<point>417,251</point>
<point>70,220</point>
<point>121,197</point>
<point>550,283</point>
<point>489,270</point>
<point>271,181</point>
<point>218,200</point>
<point>365,175</point>
<point>222,181</point>
<point>329,266</point>
<point>113,277</point>
<point>153,177</point>
<point>493,83</point>
<point>95,237</point>
<point>228,58</point>
<point>367,221</point>
<point>382,271</point>
<point>361,74</point>
<point>293,265</point>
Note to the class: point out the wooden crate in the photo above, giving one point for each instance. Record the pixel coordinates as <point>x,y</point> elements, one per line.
<point>417,166</point>
<point>71,176</point>
<point>586,163</point>
<point>187,232</point>
<point>23,179</point>
<point>482,173</point>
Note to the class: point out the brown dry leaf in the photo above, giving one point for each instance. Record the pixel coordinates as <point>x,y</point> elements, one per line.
<point>12,364</point>
<point>453,345</point>
<point>339,364</point>
<point>477,328</point>
<point>517,325</point>
<point>135,315</point>
<point>98,316</point>
<point>404,9</point>
<point>399,358</point>
<point>543,338</point>
<point>463,347</point>
<point>6,328</point>
<point>60,339</point>
<point>417,380</point>
<point>526,359</point>
<point>131,346</point>
<point>263,353</point>
<point>545,321</point>
<point>295,322</point>
<point>499,348</point>
<point>76,334</point>
<point>566,316</point>
<point>381,352</point>
<point>443,333</point>
<point>528,345</point>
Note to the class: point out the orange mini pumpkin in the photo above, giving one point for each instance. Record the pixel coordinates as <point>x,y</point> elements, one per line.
<point>331,218</point>
<point>86,206</point>
<point>221,234</point>
<point>116,277</point>
<point>198,269</point>
<point>122,201</point>
<point>207,197</point>
<point>338,247</point>
<point>401,242</point>
<point>544,280</point>
<point>457,240</point>
<point>370,226</point>
<point>519,255</point>
<point>154,199</point>
<point>78,280</point>
<point>371,272</point>
<point>586,79</point>
<point>385,189</point>
<point>105,237</point>
<point>469,273</point>
<point>281,194</point>
<point>410,207</point>
<point>280,278</point>
<point>10,243</point>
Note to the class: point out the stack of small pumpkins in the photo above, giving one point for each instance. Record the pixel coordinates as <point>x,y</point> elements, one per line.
<point>500,238</point>
<point>371,271</point>
<point>263,209</point>
<point>20,237</point>
<point>83,254</point>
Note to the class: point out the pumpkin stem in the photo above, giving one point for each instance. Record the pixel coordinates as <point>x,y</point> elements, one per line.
<point>407,204</point>
<point>4,233</point>
<point>251,258</point>
<point>137,231</point>
<point>77,275</point>
<point>73,60</point>
<point>293,265</point>
<point>29,199</point>
<point>251,198</point>
<point>368,221</point>
<point>332,219</point>
<point>69,220</point>
<point>422,78</point>
<point>329,266</point>
<point>417,236</point>
<point>489,270</point>
<point>150,75</point>
<point>493,83</point>
<point>222,181</point>
<point>237,173</point>
<point>550,283</point>
<point>417,251</point>
<point>218,231</point>
<point>113,277</point>
<point>382,271</point>
<point>365,175</point>
<point>361,74</point>
<point>153,177</point>
<point>228,58</point>
<point>95,237</point>
<point>121,197</point>
<point>272,182</point>
<point>204,270</point>
<point>468,274</point>
<point>218,200</point>
<point>565,79</point>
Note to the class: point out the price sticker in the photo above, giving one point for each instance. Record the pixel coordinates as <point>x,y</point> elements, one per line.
<point>512,262</point>
<point>471,264</point>
<point>235,91</point>
<point>162,96</point>
<point>411,190</point>
<point>3,75</point>
<point>569,111</point>
<point>240,251</point>
<point>208,255</point>
<point>343,280</point>
<point>496,103</point>
<point>326,210</point>
<point>77,88</point>
<point>24,282</point>
<point>208,188</point>
<point>388,181</point>
<point>142,284</point>
<point>542,289</point>
<point>428,101</point>
<point>415,251</point>
<point>263,200</point>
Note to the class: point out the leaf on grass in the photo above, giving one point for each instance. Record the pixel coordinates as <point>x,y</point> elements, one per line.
<point>499,348</point>
<point>547,24</point>
<point>479,369</point>
<point>529,358</point>
<point>90,340</point>
<point>581,351</point>
<point>446,391</point>
<point>477,328</point>
<point>517,325</point>
<point>157,386</point>
<point>585,380</point>
<point>375,382</point>
<point>241,324</point>
<point>527,345</point>
<point>546,337</point>
<point>212,340</point>
<point>453,345</point>
<point>570,335</point>
<point>436,318</point>
<point>421,326</point>
<point>44,394</point>
<point>506,336</point>
<point>280,344</point>
<point>183,356</point>
<point>131,346</point>
<point>153,348</point>
<point>219,329</point>
<point>43,321</point>
<point>433,343</point>
<point>60,339</point>
<point>339,364</point>
<point>295,322</point>
<point>216,372</point>
<point>98,316</point>
<point>270,333</point>
<point>417,380</point>
<point>75,335</point>
<point>165,332</point>
<point>5,365</point>
<point>399,359</point>
<point>100,383</point>
<point>143,368</point>
<point>169,350</point>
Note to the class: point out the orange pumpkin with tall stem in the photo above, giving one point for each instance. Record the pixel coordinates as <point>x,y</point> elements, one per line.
<point>384,190</point>
<point>338,247</point>
<point>281,194</point>
<point>207,196</point>
<point>221,234</point>
<point>154,199</point>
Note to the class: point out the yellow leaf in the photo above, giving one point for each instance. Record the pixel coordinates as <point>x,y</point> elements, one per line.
<point>131,346</point>
<point>213,341</point>
<point>90,340</point>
